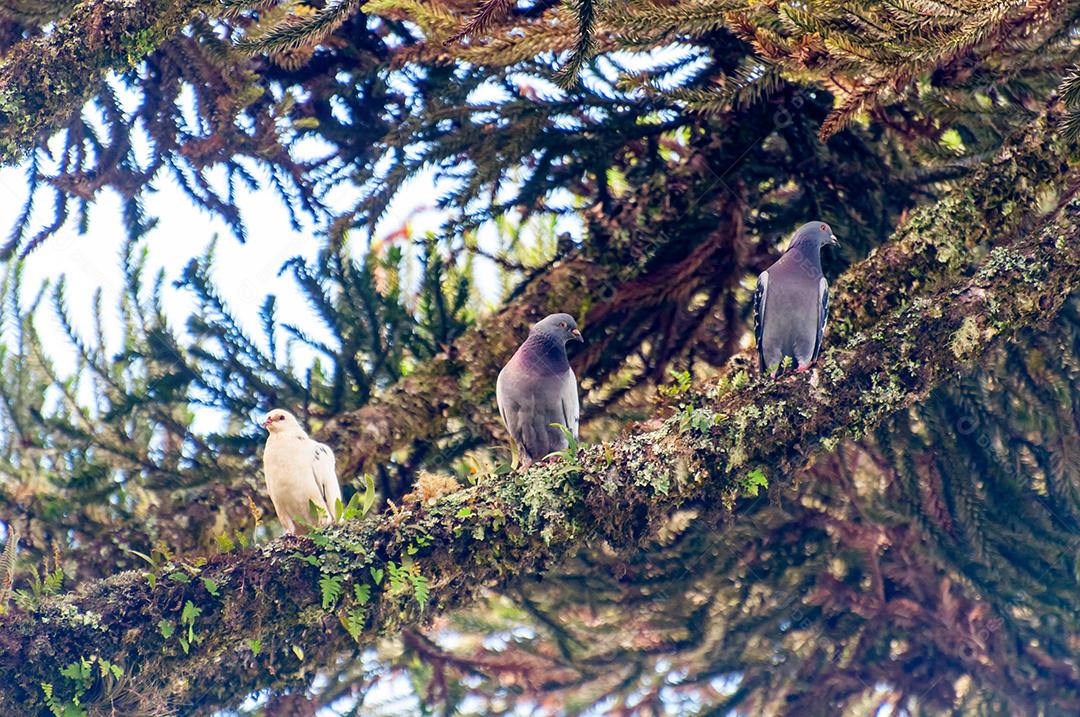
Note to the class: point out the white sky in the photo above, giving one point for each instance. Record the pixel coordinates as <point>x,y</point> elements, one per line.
<point>245,273</point>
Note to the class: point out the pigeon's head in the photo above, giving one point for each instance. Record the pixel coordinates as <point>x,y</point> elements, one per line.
<point>561,327</point>
<point>814,235</point>
<point>279,421</point>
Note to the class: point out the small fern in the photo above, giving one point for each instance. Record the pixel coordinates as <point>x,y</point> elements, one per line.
<point>330,586</point>
<point>398,577</point>
<point>421,588</point>
<point>7,567</point>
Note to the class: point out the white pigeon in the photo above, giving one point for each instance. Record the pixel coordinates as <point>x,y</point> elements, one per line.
<point>299,471</point>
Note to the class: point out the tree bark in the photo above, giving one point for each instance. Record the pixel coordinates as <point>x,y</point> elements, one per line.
<point>47,79</point>
<point>411,564</point>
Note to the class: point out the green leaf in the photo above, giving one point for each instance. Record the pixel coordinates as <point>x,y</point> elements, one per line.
<point>316,512</point>
<point>299,652</point>
<point>463,513</point>
<point>361,502</point>
<point>362,593</point>
<point>52,582</point>
<point>211,586</point>
<point>569,455</point>
<point>73,710</point>
<point>189,613</point>
<point>754,481</point>
<point>369,493</point>
<point>330,585</point>
<point>144,556</point>
<point>225,543</point>
<point>180,577</point>
<point>377,575</point>
<point>47,688</point>
<point>187,617</point>
<point>73,672</point>
<point>353,622</point>
<point>421,589</point>
<point>397,576</point>
<point>255,645</point>
<point>166,628</point>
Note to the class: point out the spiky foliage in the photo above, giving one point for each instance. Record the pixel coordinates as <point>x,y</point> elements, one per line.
<point>119,472</point>
<point>927,567</point>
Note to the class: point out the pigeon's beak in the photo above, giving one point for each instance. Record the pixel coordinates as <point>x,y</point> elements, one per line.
<point>833,240</point>
<point>577,335</point>
<point>266,423</point>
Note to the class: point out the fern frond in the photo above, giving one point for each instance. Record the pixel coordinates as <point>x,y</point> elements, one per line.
<point>7,566</point>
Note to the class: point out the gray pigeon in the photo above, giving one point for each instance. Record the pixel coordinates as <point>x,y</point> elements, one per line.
<point>791,303</point>
<point>537,388</point>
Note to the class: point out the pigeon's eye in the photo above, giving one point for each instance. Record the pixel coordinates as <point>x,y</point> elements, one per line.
<point>562,324</point>
<point>824,228</point>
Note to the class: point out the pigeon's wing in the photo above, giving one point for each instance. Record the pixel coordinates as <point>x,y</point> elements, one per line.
<point>502,399</point>
<point>509,415</point>
<point>823,314</point>
<point>322,467</point>
<point>760,297</point>
<point>568,398</point>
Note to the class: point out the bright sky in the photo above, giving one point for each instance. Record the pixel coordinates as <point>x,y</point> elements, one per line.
<point>245,273</point>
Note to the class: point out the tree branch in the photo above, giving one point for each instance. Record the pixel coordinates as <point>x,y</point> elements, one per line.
<point>999,201</point>
<point>47,79</point>
<point>409,565</point>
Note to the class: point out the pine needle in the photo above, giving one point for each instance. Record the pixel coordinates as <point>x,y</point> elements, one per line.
<point>490,12</point>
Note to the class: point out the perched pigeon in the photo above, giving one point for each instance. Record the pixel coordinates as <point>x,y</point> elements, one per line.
<point>299,471</point>
<point>791,304</point>
<point>537,388</point>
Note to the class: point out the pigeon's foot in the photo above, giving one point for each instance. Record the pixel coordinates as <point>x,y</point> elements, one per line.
<point>804,367</point>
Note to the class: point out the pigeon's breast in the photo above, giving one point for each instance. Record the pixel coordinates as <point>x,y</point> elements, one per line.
<point>541,356</point>
<point>792,315</point>
<point>290,480</point>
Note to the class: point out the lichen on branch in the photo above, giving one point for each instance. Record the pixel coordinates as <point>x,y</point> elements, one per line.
<point>46,79</point>
<point>283,609</point>
<point>1025,183</point>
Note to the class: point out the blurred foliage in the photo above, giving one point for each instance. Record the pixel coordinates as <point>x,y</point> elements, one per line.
<point>929,568</point>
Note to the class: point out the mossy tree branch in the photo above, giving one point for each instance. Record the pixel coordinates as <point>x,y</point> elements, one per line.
<point>1024,184</point>
<point>277,613</point>
<point>47,79</point>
